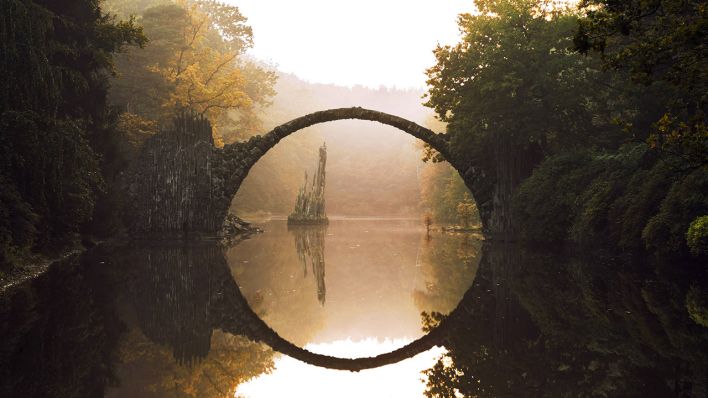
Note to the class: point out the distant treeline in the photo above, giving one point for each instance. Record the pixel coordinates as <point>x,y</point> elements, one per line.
<point>601,110</point>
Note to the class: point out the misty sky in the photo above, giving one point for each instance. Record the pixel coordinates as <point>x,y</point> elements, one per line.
<point>366,42</point>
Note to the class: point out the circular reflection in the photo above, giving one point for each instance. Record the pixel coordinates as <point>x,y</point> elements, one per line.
<point>181,293</point>
<point>353,281</point>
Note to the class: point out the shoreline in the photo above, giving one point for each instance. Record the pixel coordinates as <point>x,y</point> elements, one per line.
<point>22,274</point>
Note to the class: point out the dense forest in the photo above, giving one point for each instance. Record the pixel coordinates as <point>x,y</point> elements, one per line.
<point>597,113</point>
<point>58,140</point>
<point>591,117</point>
<point>603,109</point>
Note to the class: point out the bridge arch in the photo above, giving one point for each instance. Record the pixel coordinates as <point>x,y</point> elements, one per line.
<point>247,323</point>
<point>258,146</point>
<point>203,296</point>
<point>182,184</point>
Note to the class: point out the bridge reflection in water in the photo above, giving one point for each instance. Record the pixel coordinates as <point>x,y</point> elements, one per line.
<point>532,323</point>
<point>182,292</point>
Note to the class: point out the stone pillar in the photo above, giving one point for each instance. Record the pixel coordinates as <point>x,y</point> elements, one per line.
<point>173,191</point>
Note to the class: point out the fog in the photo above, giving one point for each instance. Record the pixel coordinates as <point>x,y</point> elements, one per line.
<point>372,169</point>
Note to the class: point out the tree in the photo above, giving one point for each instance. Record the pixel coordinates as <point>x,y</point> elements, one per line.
<point>427,221</point>
<point>646,194</point>
<point>660,43</point>
<point>512,92</point>
<point>55,59</point>
<point>602,332</point>
<point>231,361</point>
<point>513,78</point>
<point>194,60</point>
<point>697,235</point>
<point>467,211</point>
<point>442,189</point>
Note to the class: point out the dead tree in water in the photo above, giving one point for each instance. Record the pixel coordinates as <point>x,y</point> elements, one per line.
<point>310,204</point>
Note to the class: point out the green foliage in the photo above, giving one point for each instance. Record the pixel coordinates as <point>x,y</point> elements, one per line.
<point>234,34</point>
<point>697,305</point>
<point>685,200</point>
<point>697,236</point>
<point>609,328</point>
<point>127,139</point>
<point>443,381</point>
<point>443,191</point>
<point>448,263</point>
<point>59,186</point>
<point>626,200</point>
<point>18,223</point>
<point>654,40</point>
<point>512,78</point>
<point>231,361</point>
<point>431,320</point>
<point>658,43</point>
<point>548,201</point>
<point>467,212</point>
<point>516,93</point>
<point>138,88</point>
<point>684,143</point>
<point>54,61</point>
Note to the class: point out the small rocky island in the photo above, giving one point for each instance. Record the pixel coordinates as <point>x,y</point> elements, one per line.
<point>310,204</point>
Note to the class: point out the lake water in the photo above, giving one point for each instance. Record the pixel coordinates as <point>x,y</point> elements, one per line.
<point>279,314</point>
<point>354,288</point>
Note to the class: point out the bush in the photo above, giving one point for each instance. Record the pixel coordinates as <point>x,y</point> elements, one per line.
<point>685,201</point>
<point>626,200</point>
<point>547,203</point>
<point>697,305</point>
<point>697,236</point>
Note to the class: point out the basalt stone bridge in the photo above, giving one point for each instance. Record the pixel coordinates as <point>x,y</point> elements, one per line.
<point>183,184</point>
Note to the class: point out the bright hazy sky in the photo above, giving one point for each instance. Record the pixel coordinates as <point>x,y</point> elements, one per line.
<point>366,42</point>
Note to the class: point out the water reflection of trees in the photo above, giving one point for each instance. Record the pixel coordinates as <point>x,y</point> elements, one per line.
<point>547,325</point>
<point>149,369</point>
<point>179,300</point>
<point>310,245</point>
<point>59,332</point>
<point>531,325</point>
<point>448,264</point>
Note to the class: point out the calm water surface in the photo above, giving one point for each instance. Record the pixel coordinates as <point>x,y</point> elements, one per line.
<point>354,288</point>
<point>169,319</point>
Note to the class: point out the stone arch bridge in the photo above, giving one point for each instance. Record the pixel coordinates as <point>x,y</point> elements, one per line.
<point>184,185</point>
